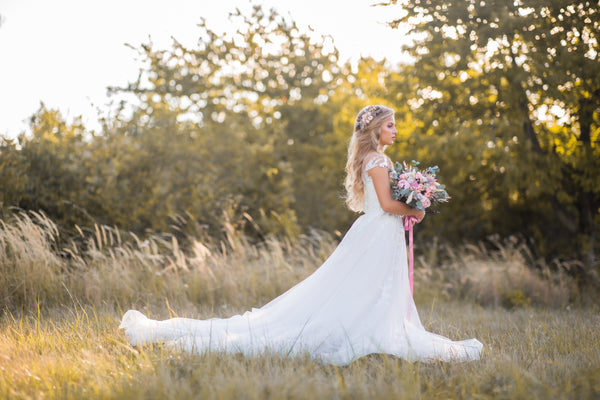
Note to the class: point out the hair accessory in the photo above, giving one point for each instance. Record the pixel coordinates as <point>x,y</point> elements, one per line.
<point>370,113</point>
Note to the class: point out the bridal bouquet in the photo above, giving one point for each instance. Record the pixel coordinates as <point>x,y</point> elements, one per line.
<point>417,188</point>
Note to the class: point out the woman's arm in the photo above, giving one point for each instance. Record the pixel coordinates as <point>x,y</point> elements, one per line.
<point>381,181</point>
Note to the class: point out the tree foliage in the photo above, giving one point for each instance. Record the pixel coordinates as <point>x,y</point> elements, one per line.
<point>256,104</point>
<point>509,97</point>
<point>46,170</point>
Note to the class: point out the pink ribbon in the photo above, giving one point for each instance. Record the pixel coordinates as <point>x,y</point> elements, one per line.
<point>409,221</point>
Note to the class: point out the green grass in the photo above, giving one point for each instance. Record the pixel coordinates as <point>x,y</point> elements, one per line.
<point>530,353</point>
<point>61,306</point>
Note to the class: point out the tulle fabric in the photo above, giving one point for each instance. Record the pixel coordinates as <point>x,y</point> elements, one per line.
<point>357,303</point>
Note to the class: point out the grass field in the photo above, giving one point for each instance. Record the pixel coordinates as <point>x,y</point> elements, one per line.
<point>61,308</point>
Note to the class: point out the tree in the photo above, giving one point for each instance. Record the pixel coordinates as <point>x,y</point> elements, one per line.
<point>44,171</point>
<point>255,106</point>
<point>512,89</point>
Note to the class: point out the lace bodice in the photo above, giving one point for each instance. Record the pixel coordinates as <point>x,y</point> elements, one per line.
<point>371,202</point>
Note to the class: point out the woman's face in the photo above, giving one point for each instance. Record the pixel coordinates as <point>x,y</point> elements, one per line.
<point>388,132</point>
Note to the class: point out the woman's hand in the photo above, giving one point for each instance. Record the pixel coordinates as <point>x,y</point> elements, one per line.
<point>415,216</point>
<point>419,215</point>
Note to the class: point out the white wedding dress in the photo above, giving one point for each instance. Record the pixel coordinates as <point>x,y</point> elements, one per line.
<point>357,303</point>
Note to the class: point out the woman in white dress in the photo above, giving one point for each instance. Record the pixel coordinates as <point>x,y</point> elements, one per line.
<point>357,303</point>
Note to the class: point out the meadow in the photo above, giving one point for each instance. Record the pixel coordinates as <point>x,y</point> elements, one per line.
<point>62,301</point>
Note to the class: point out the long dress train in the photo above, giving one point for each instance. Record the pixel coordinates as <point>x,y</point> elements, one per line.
<point>357,303</point>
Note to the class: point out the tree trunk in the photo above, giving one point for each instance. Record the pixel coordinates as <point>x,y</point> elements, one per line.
<point>587,203</point>
<point>523,103</point>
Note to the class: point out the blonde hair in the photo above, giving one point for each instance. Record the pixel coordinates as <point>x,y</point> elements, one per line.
<point>365,140</point>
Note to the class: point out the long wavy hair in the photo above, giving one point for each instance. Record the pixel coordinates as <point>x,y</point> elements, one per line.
<point>365,140</point>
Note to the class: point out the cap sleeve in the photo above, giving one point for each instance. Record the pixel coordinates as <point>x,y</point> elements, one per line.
<point>376,160</point>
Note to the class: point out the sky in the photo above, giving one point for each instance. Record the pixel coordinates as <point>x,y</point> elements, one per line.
<point>65,53</point>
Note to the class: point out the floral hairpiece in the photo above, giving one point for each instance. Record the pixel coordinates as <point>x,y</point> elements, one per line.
<point>367,117</point>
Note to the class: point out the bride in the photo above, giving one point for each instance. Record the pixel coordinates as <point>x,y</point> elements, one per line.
<point>357,303</point>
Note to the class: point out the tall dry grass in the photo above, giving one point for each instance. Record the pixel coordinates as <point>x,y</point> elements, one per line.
<point>31,270</point>
<point>106,266</point>
<point>505,274</point>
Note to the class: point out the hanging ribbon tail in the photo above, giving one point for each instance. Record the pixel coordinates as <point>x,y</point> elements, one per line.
<point>408,226</point>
